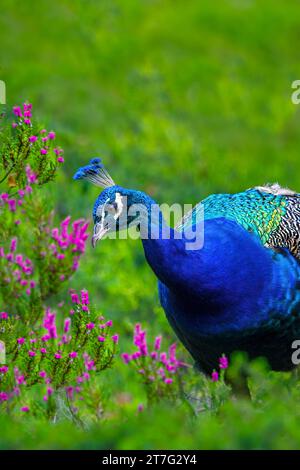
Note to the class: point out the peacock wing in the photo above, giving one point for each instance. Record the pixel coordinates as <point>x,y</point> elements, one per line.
<point>271,212</point>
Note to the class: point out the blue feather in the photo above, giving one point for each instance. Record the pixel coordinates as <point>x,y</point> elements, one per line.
<point>95,173</point>
<point>234,293</point>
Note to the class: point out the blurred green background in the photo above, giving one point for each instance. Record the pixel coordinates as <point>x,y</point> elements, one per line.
<point>180,98</point>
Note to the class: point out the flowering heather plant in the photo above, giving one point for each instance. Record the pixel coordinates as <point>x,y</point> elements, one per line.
<point>59,252</point>
<point>37,257</point>
<point>51,358</point>
<point>25,142</point>
<point>60,362</point>
<point>160,371</point>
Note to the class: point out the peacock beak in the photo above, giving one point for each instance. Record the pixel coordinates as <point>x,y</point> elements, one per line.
<point>99,232</point>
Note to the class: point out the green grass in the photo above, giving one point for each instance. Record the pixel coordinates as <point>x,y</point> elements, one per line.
<point>181,99</point>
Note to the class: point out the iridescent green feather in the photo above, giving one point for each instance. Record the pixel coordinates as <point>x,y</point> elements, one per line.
<point>271,212</point>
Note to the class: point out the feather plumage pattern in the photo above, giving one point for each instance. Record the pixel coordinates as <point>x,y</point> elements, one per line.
<point>271,212</point>
<point>241,289</point>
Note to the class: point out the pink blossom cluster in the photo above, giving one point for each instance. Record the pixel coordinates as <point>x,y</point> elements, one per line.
<point>70,237</point>
<point>19,382</point>
<point>81,302</point>
<point>100,328</point>
<point>223,365</point>
<point>47,353</point>
<point>17,201</point>
<point>42,139</point>
<point>24,114</point>
<point>49,324</point>
<point>17,268</point>
<point>154,364</point>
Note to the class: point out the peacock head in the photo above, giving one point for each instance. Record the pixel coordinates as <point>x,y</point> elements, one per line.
<point>113,207</point>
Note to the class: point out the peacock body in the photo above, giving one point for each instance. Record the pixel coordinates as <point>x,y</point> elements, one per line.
<point>241,290</point>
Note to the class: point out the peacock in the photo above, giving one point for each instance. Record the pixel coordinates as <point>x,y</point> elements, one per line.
<point>239,290</point>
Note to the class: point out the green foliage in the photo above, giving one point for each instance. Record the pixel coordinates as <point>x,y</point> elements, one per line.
<point>36,354</point>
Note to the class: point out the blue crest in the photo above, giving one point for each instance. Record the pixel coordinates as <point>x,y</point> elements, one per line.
<point>95,173</point>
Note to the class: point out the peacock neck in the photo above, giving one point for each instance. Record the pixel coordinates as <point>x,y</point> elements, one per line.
<point>230,268</point>
<point>164,247</point>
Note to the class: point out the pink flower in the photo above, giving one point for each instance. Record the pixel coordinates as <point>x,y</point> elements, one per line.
<point>43,350</point>
<point>31,353</point>
<point>27,121</point>
<point>25,409</point>
<point>140,408</point>
<point>73,354</point>
<point>12,205</point>
<point>43,374</point>
<point>115,339</point>
<point>136,355</point>
<point>3,369</point>
<point>31,176</point>
<point>109,323</point>
<point>3,396</point>
<point>75,298</point>
<point>67,325</point>
<point>90,326</point>
<point>3,315</point>
<point>60,159</point>
<point>157,343</point>
<point>223,362</point>
<point>168,381</point>
<point>85,297</point>
<point>27,106</point>
<point>51,135</point>
<point>125,357</point>
<point>163,357</point>
<point>17,111</point>
<point>215,376</point>
<point>32,139</point>
<point>21,379</point>
<point>101,339</point>
<point>57,356</point>
<point>21,340</point>
<point>44,151</point>
<point>69,391</point>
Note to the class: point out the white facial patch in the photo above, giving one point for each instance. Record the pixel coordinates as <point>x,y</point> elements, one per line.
<point>120,206</point>
<point>114,209</point>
